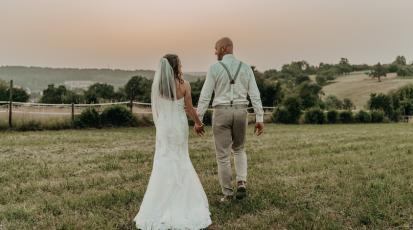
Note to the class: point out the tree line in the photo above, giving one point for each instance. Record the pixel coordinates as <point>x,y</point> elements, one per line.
<point>291,88</point>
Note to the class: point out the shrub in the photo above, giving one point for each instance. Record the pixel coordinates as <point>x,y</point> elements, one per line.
<point>118,115</point>
<point>363,117</point>
<point>293,106</point>
<point>346,117</point>
<point>145,120</point>
<point>280,115</point>
<point>30,125</point>
<point>404,71</point>
<point>315,116</point>
<point>377,116</point>
<point>348,104</point>
<point>321,80</point>
<point>289,113</point>
<point>88,118</point>
<point>332,116</point>
<point>332,102</point>
<point>208,118</point>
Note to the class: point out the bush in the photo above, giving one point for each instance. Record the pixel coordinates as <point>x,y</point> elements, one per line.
<point>290,112</point>
<point>377,116</point>
<point>404,71</point>
<point>88,118</point>
<point>332,116</point>
<point>30,125</point>
<point>363,117</point>
<point>346,117</point>
<point>314,116</point>
<point>280,115</point>
<point>117,115</point>
<point>208,118</point>
<point>348,104</point>
<point>321,80</point>
<point>332,102</point>
<point>145,120</point>
<point>393,68</point>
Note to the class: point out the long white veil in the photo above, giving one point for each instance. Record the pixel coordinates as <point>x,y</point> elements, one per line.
<point>163,95</point>
<point>169,117</point>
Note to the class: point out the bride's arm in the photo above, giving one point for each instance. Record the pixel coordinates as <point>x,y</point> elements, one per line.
<point>189,108</point>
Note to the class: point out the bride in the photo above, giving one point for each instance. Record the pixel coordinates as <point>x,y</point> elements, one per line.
<point>174,198</point>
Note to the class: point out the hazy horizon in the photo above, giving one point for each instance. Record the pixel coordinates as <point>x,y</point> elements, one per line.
<point>134,34</point>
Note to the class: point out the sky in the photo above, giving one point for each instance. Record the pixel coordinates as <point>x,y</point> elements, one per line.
<point>135,34</point>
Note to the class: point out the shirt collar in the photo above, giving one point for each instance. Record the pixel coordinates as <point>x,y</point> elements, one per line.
<point>228,56</point>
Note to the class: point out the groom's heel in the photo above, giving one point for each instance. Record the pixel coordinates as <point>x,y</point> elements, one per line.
<point>241,193</point>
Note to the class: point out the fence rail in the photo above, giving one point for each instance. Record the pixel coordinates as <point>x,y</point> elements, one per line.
<point>41,111</point>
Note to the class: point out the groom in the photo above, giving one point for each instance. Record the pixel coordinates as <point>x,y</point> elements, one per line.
<point>231,80</point>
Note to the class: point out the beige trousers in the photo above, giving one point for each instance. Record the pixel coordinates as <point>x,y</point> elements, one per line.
<point>229,127</point>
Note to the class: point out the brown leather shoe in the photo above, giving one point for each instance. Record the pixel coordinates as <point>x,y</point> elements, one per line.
<point>241,190</point>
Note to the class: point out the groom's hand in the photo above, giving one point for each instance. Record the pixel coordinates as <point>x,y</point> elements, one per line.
<point>259,128</point>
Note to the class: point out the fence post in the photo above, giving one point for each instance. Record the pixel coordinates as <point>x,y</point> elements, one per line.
<point>131,105</point>
<point>11,104</point>
<point>73,113</point>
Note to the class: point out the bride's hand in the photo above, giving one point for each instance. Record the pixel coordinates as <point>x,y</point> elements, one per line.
<point>199,129</point>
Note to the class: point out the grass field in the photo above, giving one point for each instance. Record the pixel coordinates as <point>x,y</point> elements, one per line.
<point>358,87</point>
<point>300,177</point>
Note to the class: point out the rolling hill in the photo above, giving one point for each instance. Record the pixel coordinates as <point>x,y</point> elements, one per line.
<point>37,78</point>
<point>358,86</point>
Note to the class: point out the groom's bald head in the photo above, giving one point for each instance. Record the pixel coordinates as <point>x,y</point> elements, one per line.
<point>223,46</point>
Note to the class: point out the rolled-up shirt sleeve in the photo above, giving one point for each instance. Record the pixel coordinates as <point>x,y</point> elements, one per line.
<point>255,97</point>
<point>206,94</point>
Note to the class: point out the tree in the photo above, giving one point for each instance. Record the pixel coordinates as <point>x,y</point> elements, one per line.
<point>138,88</point>
<point>400,60</point>
<point>19,95</point>
<point>378,72</point>
<point>381,102</point>
<point>59,95</point>
<point>332,102</point>
<point>53,95</point>
<point>309,94</point>
<point>4,96</point>
<point>196,88</point>
<point>271,93</point>
<point>271,74</point>
<point>71,97</point>
<point>290,112</point>
<point>348,104</point>
<point>99,91</point>
<point>301,78</point>
<point>344,66</point>
<point>321,80</point>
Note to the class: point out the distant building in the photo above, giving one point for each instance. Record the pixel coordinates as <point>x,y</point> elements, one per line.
<point>71,85</point>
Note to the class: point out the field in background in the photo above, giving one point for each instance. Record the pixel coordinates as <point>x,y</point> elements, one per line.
<point>300,177</point>
<point>38,78</point>
<point>358,87</point>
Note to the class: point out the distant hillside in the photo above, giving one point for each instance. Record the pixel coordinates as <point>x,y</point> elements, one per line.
<point>37,78</point>
<point>359,86</point>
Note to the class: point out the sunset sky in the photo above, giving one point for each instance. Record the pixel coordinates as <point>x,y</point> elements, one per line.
<point>134,34</point>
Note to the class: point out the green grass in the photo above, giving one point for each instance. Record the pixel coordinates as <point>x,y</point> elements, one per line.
<point>300,177</point>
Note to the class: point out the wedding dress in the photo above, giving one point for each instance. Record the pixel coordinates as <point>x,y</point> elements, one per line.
<point>175,198</point>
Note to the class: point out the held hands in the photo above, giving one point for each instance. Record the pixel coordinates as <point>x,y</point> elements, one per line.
<point>259,128</point>
<point>199,129</point>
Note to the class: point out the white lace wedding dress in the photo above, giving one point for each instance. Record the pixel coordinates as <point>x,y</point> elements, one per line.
<point>174,198</point>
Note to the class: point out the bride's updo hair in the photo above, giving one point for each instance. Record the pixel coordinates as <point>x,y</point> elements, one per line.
<point>174,61</point>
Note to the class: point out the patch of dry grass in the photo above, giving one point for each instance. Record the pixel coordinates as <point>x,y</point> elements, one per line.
<point>358,87</point>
